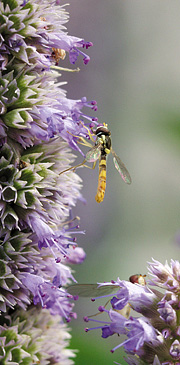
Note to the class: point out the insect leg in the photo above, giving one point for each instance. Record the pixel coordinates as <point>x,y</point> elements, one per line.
<point>73,167</point>
<point>80,164</point>
<point>90,167</point>
<point>89,133</point>
<point>96,314</point>
<point>84,142</point>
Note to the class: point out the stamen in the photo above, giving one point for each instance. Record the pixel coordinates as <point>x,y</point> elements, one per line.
<point>87,45</point>
<point>58,260</point>
<point>95,320</point>
<point>125,342</point>
<point>86,58</point>
<point>94,328</point>
<point>101,308</point>
<point>86,319</point>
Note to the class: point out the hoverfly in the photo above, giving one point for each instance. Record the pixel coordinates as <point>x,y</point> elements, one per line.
<point>94,290</point>
<point>100,150</point>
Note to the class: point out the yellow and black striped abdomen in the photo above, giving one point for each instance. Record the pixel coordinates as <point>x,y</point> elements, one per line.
<point>102,180</point>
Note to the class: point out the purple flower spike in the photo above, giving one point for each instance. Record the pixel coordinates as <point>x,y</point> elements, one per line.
<point>152,334</point>
<point>38,126</point>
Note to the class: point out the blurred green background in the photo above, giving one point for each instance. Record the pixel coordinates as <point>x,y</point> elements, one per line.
<point>134,74</point>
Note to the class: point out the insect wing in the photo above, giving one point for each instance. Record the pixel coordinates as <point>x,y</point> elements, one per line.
<point>94,153</point>
<point>91,290</point>
<point>121,168</point>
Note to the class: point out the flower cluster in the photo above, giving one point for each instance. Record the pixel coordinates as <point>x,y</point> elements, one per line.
<point>36,333</point>
<point>38,126</point>
<point>153,334</point>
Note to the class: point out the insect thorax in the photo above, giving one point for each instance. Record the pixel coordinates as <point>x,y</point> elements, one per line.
<point>105,141</point>
<point>103,136</point>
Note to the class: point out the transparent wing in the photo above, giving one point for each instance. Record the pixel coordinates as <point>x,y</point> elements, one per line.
<point>91,290</point>
<point>121,168</point>
<point>94,153</point>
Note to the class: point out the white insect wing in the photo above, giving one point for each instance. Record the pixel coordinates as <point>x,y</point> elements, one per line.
<point>94,153</point>
<point>119,165</point>
<point>91,290</point>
